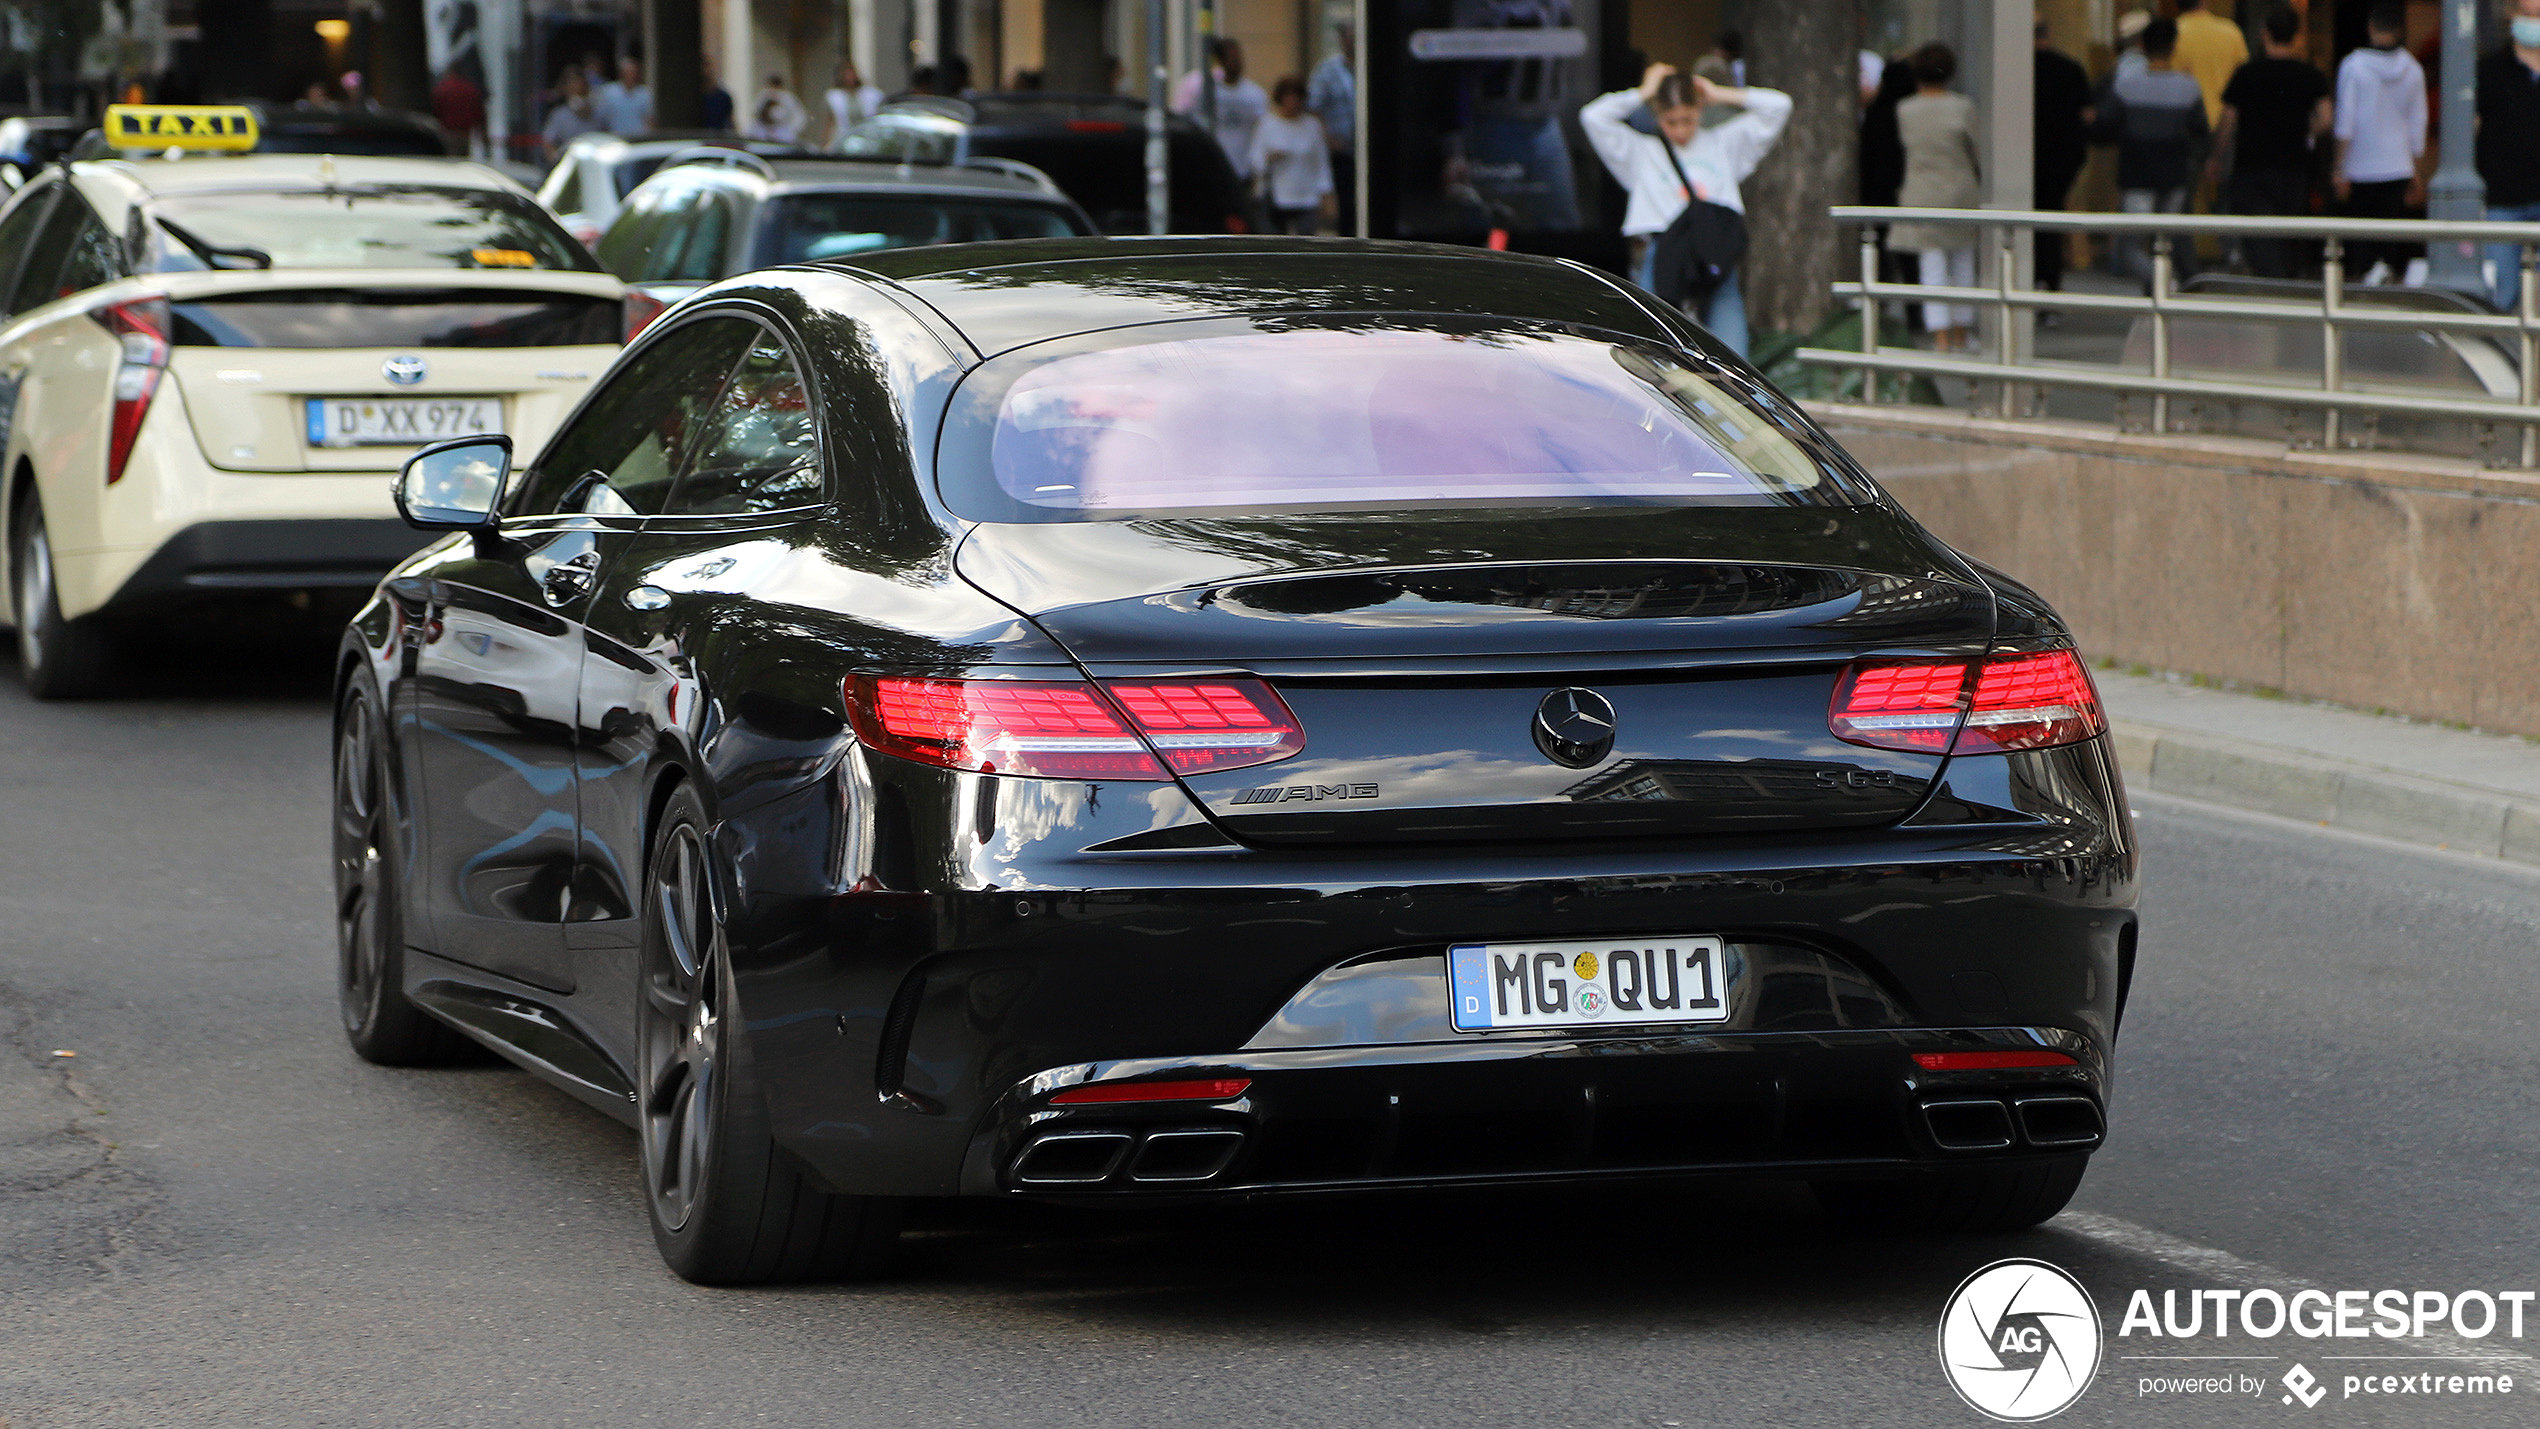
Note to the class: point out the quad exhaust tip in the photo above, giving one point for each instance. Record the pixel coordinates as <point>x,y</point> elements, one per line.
<point>2062,1122</point>
<point>1185,1155</point>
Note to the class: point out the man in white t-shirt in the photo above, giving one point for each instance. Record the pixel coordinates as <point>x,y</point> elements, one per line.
<point>1240,104</point>
<point>851,101</point>
<point>1715,157</point>
<point>624,105</point>
<point>1294,161</point>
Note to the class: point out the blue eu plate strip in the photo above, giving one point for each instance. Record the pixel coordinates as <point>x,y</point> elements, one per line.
<point>1468,977</point>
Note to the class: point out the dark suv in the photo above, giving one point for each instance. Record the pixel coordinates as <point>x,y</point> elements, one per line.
<point>1093,145</point>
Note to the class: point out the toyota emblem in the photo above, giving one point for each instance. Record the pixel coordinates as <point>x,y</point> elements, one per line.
<point>405,369</point>
<point>1574,727</point>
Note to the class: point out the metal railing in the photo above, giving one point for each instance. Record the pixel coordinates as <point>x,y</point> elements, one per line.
<point>2012,366</point>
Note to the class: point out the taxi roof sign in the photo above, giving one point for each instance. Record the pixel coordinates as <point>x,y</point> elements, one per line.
<point>199,127</point>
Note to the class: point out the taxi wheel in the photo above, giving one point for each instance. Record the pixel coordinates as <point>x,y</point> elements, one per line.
<point>1960,1199</point>
<point>728,1206</point>
<point>59,659</point>
<point>370,924</point>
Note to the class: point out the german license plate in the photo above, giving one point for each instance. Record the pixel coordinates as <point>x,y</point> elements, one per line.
<point>1587,982</point>
<point>400,421</point>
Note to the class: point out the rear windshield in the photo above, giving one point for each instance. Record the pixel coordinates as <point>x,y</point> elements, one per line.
<point>1352,419</point>
<point>402,226</point>
<point>806,227</point>
<point>349,139</point>
<point>1105,170</point>
<point>398,318</point>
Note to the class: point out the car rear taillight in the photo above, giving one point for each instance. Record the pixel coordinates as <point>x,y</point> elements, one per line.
<point>641,309</point>
<point>1991,1061</point>
<point>1235,223</point>
<point>1052,729</point>
<point>141,326</point>
<point>2023,701</point>
<point>1215,1089</point>
<point>1204,725</point>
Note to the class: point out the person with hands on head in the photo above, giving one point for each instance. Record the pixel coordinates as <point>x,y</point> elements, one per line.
<point>1698,137</point>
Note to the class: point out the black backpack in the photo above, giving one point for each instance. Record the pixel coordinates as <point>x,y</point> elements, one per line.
<point>1700,249</point>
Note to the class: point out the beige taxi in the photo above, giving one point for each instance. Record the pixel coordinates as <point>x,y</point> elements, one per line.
<point>211,364</point>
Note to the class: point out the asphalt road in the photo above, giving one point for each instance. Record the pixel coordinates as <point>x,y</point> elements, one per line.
<point>213,1214</point>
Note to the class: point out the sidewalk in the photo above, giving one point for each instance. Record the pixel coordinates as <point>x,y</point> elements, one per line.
<point>2375,774</point>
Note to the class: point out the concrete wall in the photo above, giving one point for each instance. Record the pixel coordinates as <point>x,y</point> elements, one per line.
<point>2368,578</point>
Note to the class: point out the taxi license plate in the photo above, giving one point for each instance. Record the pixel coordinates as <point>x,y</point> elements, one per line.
<point>400,421</point>
<point>1587,982</point>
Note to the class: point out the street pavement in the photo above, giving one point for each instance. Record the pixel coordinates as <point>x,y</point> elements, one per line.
<point>212,1214</point>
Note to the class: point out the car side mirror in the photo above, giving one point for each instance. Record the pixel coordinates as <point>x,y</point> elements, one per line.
<point>456,485</point>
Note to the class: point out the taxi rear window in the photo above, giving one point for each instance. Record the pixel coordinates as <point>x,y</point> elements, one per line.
<point>335,317</point>
<point>375,226</point>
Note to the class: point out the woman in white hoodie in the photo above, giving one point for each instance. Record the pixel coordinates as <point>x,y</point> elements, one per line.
<point>1719,132</point>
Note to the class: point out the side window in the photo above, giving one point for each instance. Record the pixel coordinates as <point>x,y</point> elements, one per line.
<point>758,452</point>
<point>17,233</point>
<point>709,231</point>
<point>38,280</point>
<point>568,196</point>
<point>622,450</point>
<point>631,235</point>
<point>96,255</point>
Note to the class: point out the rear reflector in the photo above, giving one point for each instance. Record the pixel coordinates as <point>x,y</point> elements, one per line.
<point>2034,700</point>
<point>1990,1061</point>
<point>1217,1090</point>
<point>1052,729</point>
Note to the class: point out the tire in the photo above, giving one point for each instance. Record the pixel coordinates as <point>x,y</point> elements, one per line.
<point>370,922</point>
<point>59,659</point>
<point>1981,1199</point>
<point>728,1206</point>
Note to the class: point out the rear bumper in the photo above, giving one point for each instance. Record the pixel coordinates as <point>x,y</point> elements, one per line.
<point>1822,1105</point>
<point>232,557</point>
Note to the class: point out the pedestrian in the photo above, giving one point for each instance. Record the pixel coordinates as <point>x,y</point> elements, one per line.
<point>714,107</point>
<point>2061,147</point>
<point>2210,50</point>
<point>1937,127</point>
<point>776,116</point>
<point>2509,142</point>
<point>2130,28</point>
<point>2274,112</point>
<point>1729,47</point>
<point>850,101</point>
<point>2156,118</point>
<point>1240,103</point>
<point>625,104</point>
<point>458,105</point>
<point>572,117</point>
<point>1690,157</point>
<point>1293,161</point>
<point>1332,93</point>
<point>2381,149</point>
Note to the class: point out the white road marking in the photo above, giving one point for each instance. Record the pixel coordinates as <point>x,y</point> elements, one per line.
<point>2223,1268</point>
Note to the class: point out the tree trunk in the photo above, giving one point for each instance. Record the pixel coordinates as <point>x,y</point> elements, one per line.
<point>674,62</point>
<point>399,76</point>
<point>1809,49</point>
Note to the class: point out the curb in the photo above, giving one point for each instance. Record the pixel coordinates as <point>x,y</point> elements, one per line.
<point>2337,793</point>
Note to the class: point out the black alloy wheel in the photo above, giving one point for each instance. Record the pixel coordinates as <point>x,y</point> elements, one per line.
<point>59,659</point>
<point>370,924</point>
<point>728,1206</point>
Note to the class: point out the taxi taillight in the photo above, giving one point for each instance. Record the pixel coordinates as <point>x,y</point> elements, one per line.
<point>141,326</point>
<point>641,309</point>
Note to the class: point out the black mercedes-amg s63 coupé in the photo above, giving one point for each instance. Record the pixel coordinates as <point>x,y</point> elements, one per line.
<point>1103,720</point>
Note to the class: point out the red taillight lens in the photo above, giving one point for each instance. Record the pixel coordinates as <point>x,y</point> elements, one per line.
<point>641,309</point>
<point>141,326</point>
<point>1201,725</point>
<point>1215,1090</point>
<point>2031,702</point>
<point>1068,730</point>
<point>2027,701</point>
<point>1235,224</point>
<point>1044,729</point>
<point>1990,1061</point>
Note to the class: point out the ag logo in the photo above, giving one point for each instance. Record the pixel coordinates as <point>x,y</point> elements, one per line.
<point>2020,1340</point>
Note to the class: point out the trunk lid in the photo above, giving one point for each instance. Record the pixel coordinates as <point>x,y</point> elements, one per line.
<point>251,351</point>
<point>1439,691</point>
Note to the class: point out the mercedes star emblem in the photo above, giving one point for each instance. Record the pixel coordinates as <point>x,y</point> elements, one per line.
<point>405,369</point>
<point>1574,727</point>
